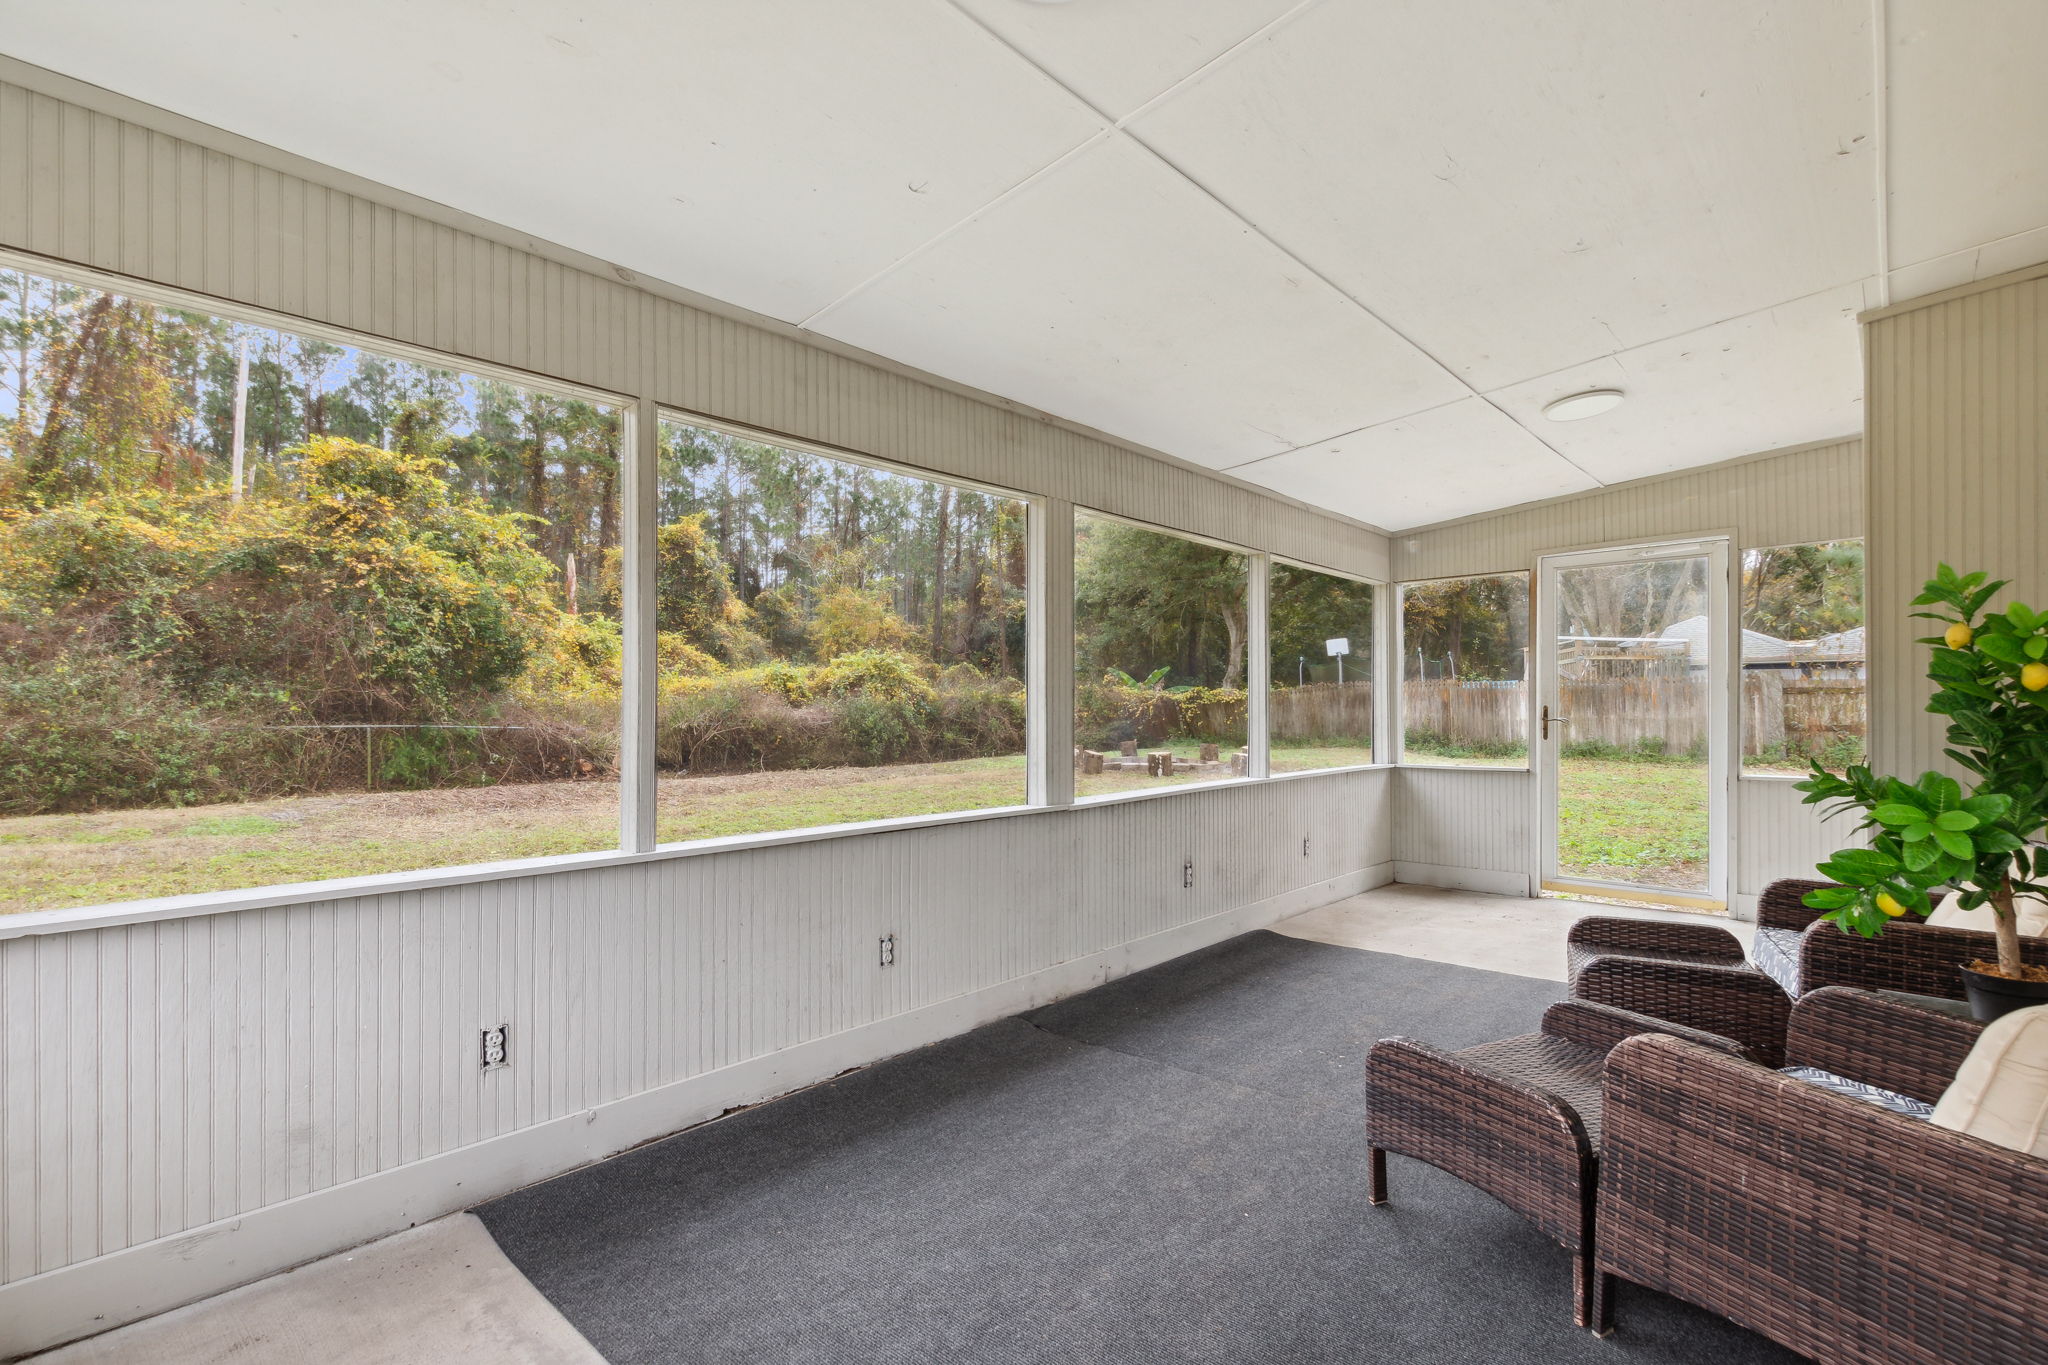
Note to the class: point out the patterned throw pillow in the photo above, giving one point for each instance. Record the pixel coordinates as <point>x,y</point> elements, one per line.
<point>1857,1090</point>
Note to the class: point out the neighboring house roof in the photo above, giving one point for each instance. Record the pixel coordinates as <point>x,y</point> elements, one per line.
<point>1759,648</point>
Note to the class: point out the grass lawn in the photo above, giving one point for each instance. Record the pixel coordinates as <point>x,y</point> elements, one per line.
<point>1633,822</point>
<point>1624,821</point>
<point>48,861</point>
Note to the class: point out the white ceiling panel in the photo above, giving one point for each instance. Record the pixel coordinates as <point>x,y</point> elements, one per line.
<point>1460,458</point>
<point>1522,187</point>
<point>1118,54</point>
<point>1968,128</point>
<point>772,153</point>
<point>1779,377</point>
<point>1116,294</point>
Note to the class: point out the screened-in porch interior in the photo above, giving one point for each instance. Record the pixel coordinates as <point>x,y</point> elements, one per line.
<point>1021,680</point>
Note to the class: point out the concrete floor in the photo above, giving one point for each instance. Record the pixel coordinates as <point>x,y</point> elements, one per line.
<point>434,1294</point>
<point>1469,929</point>
<point>444,1292</point>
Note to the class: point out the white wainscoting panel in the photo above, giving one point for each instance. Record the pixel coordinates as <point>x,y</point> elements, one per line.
<point>164,1080</point>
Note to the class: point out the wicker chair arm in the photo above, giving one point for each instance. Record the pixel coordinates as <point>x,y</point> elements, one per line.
<point>1781,906</point>
<point>1839,1229</point>
<point>1611,933</point>
<point>1525,1146</point>
<point>1880,1042</point>
<point>1917,958</point>
<point>1605,1026</point>
<point>1735,1002</point>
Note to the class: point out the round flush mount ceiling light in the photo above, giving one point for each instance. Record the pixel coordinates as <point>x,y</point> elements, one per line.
<point>1591,403</point>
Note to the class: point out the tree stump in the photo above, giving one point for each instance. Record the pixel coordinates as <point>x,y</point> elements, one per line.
<point>1241,763</point>
<point>1159,764</point>
<point>1129,748</point>
<point>1091,761</point>
<point>1209,753</point>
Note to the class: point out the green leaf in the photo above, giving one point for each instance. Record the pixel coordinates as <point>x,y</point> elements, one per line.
<point>1988,806</point>
<point>2036,646</point>
<point>2021,615</point>
<point>2003,648</point>
<point>1897,813</point>
<point>1942,793</point>
<point>1860,866</point>
<point>1956,820</point>
<point>1920,856</point>
<point>1954,844</point>
<point>1913,834</point>
<point>1829,897</point>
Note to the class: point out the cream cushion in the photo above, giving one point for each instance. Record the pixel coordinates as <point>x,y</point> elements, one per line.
<point>2030,911</point>
<point>2000,1093</point>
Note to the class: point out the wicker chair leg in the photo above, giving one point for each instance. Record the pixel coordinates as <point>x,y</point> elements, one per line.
<point>1583,1277</point>
<point>1602,1312</point>
<point>1376,1188</point>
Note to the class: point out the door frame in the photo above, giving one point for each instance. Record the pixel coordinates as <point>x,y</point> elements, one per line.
<point>1723,761</point>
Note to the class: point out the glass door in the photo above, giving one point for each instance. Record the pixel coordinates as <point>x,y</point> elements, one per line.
<point>1632,722</point>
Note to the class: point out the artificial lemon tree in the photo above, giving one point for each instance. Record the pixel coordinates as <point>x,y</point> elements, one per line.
<point>1991,681</point>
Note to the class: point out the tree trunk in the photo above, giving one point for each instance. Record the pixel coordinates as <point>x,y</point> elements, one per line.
<point>2008,931</point>
<point>939,575</point>
<point>1233,675</point>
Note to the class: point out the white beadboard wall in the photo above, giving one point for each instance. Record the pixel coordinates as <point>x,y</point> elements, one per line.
<point>1466,826</point>
<point>173,1078</point>
<point>190,1103</point>
<point>1957,398</point>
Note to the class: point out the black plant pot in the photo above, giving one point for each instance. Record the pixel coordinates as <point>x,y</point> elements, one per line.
<point>1992,996</point>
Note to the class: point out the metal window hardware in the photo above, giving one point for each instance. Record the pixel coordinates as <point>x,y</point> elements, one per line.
<point>1550,720</point>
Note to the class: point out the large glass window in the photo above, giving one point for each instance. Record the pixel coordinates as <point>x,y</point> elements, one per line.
<point>1465,669</point>
<point>1159,658</point>
<point>275,609</point>
<point>1319,709</point>
<point>836,642</point>
<point>1803,673</point>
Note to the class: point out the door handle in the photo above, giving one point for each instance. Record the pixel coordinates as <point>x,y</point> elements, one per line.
<point>1550,720</point>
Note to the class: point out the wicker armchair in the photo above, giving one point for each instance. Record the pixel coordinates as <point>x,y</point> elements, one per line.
<point>1690,974</point>
<point>1519,1118</point>
<point>1837,1228</point>
<point>1794,951</point>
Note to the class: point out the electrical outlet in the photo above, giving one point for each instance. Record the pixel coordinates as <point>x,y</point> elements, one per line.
<point>888,950</point>
<point>494,1047</point>
<point>1187,874</point>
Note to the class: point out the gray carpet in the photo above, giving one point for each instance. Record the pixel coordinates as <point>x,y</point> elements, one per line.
<point>1168,1168</point>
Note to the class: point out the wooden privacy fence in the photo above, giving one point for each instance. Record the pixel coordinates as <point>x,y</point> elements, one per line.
<point>1779,708</point>
<point>1319,711</point>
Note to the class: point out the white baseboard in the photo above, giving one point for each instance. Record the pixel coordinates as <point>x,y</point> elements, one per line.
<point>1742,906</point>
<point>1464,878</point>
<point>136,1282</point>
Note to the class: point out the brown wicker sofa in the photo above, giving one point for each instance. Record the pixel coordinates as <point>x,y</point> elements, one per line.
<point>1837,1228</point>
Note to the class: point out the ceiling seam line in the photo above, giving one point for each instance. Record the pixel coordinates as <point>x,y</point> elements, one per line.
<point>1348,432</point>
<point>1225,55</point>
<point>1093,139</point>
<point>1355,302</point>
<point>1675,336</point>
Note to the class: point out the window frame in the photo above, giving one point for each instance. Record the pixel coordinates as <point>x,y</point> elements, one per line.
<point>1382,636</point>
<point>1254,664</point>
<point>1742,774</point>
<point>1397,672</point>
<point>643,569</point>
<point>1049,529</point>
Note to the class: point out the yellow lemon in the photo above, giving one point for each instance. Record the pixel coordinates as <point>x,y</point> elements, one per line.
<point>1958,636</point>
<point>2034,677</point>
<point>1888,905</point>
